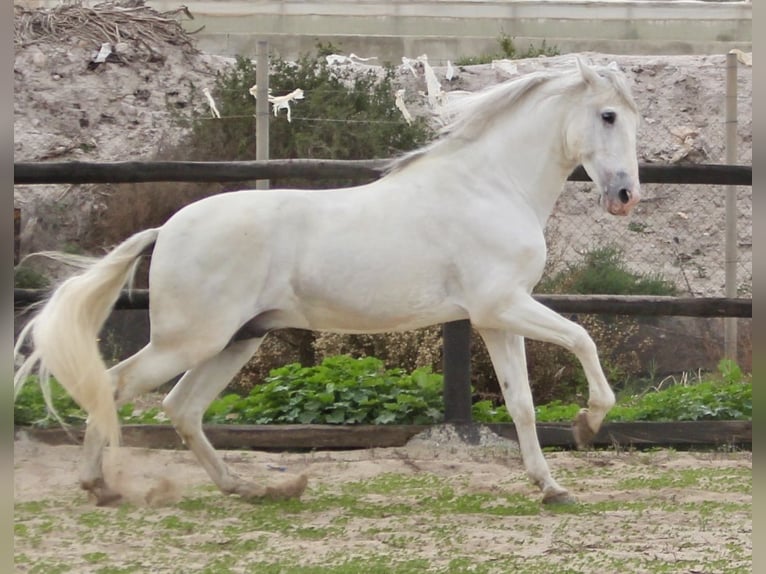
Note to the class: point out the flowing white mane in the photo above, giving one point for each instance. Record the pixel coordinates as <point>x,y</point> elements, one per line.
<point>470,115</point>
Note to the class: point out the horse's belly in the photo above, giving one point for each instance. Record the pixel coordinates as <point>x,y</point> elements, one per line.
<point>370,304</point>
<point>349,320</point>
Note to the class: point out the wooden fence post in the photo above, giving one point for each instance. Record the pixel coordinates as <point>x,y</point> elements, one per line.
<point>730,265</point>
<point>456,341</point>
<point>262,115</point>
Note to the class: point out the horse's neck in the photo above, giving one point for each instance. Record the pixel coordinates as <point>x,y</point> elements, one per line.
<point>524,157</point>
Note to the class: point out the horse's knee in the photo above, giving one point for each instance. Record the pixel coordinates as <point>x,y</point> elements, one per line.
<point>583,344</point>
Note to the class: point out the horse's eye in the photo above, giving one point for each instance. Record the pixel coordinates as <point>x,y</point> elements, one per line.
<point>609,117</point>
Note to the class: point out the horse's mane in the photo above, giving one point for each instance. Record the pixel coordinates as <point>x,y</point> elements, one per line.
<point>472,114</point>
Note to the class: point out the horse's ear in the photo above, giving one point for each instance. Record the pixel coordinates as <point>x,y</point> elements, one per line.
<point>613,66</point>
<point>588,74</point>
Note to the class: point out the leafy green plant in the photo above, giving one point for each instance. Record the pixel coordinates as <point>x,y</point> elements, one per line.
<point>727,395</point>
<point>29,408</point>
<point>341,390</point>
<point>709,400</point>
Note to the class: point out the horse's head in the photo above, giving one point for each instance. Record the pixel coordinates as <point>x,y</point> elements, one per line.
<point>602,137</point>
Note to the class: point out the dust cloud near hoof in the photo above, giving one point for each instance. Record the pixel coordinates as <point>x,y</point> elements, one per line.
<point>559,499</point>
<point>106,497</point>
<point>164,493</point>
<point>292,488</point>
<point>583,434</point>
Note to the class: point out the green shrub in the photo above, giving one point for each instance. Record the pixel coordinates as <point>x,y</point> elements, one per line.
<point>508,51</point>
<point>26,278</point>
<point>341,390</point>
<point>345,114</point>
<point>603,271</point>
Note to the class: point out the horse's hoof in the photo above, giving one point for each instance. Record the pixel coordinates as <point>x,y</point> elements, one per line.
<point>559,498</point>
<point>583,434</point>
<point>101,493</point>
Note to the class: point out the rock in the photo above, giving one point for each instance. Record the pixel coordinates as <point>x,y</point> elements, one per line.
<point>39,59</point>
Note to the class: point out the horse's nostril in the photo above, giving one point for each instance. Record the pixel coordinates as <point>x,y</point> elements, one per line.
<point>624,195</point>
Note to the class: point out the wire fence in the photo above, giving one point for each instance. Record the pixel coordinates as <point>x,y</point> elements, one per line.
<point>676,231</point>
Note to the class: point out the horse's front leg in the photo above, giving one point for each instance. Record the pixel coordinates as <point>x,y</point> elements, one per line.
<point>533,320</point>
<point>507,353</point>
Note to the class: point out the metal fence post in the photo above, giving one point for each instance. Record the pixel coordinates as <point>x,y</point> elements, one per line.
<point>456,341</point>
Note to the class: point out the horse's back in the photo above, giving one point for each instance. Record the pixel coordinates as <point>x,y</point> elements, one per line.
<point>335,260</point>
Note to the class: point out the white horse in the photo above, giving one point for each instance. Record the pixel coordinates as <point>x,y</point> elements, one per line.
<point>452,231</point>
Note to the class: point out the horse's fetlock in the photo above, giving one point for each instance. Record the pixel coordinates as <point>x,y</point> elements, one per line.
<point>602,404</point>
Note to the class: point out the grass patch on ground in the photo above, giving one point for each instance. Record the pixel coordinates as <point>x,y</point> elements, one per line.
<point>415,522</point>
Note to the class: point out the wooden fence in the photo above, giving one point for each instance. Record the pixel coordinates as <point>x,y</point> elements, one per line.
<point>456,335</point>
<point>229,171</point>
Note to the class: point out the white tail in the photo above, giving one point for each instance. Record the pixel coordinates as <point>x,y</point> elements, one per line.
<point>65,334</point>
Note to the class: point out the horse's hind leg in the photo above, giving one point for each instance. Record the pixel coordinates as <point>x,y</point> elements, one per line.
<point>507,353</point>
<point>188,401</point>
<point>144,371</point>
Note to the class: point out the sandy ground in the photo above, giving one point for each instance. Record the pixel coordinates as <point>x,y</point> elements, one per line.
<point>662,511</point>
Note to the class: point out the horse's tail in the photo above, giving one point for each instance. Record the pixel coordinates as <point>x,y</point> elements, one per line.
<point>65,334</point>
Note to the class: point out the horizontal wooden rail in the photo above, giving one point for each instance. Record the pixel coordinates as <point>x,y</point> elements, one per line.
<point>143,171</point>
<point>231,171</point>
<point>633,434</point>
<point>585,304</point>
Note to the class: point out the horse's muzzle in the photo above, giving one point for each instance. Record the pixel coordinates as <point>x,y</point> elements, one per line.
<point>621,193</point>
